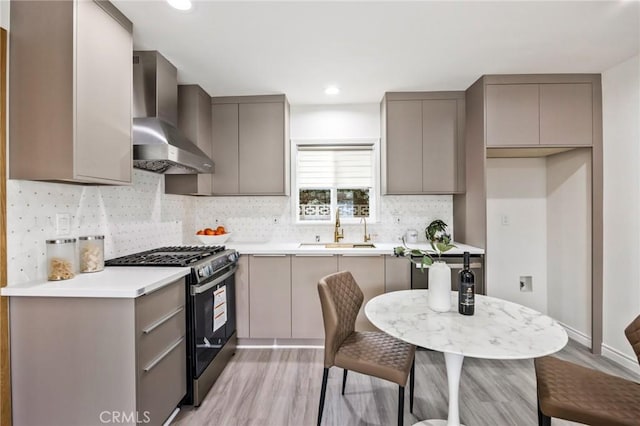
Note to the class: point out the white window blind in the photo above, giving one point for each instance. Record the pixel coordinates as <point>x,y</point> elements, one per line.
<point>335,166</point>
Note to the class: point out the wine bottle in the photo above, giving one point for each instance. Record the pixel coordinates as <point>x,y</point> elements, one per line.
<point>466,288</point>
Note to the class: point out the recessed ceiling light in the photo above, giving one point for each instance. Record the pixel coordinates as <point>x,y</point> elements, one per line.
<point>331,90</point>
<point>180,4</point>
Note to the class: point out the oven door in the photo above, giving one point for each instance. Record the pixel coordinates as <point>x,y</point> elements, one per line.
<point>213,317</point>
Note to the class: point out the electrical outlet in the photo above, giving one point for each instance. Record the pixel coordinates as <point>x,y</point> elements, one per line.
<point>275,220</point>
<point>396,220</point>
<point>504,220</point>
<point>63,223</point>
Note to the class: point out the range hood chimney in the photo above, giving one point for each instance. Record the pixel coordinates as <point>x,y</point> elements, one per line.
<point>158,145</point>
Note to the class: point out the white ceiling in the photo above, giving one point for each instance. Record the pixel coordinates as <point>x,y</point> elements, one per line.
<point>368,48</point>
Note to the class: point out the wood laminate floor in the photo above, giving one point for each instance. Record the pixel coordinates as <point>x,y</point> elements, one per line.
<point>281,387</point>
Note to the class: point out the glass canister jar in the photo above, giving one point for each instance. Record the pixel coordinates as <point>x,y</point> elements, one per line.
<point>61,259</point>
<point>91,253</point>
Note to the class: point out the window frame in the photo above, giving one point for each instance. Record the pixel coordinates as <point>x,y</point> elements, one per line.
<point>374,195</point>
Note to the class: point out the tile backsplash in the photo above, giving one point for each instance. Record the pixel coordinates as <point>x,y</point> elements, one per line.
<point>141,216</point>
<point>132,218</point>
<point>251,219</point>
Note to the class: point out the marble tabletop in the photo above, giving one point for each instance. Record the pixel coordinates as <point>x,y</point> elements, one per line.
<point>498,330</point>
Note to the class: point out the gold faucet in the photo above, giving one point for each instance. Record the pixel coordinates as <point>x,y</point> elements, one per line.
<point>338,234</point>
<point>367,237</point>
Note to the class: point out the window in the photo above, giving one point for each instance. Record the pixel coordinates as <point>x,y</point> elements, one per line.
<point>330,176</point>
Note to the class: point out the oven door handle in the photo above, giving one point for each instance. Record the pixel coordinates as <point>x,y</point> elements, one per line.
<point>197,289</point>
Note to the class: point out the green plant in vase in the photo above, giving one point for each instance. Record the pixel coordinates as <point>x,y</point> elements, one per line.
<point>439,240</point>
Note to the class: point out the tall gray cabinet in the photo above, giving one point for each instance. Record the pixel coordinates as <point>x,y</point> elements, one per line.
<point>422,145</point>
<point>251,145</point>
<point>70,92</point>
<point>532,116</point>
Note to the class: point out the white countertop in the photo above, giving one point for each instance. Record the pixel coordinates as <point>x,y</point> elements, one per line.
<point>121,282</point>
<point>311,248</point>
<point>498,330</point>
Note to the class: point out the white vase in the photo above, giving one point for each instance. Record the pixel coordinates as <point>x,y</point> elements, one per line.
<point>440,287</point>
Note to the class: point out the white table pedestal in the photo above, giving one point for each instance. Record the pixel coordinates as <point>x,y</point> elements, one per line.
<point>454,369</point>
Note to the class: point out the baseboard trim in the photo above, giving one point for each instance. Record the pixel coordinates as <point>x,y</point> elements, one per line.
<point>576,335</point>
<point>253,343</point>
<point>628,362</point>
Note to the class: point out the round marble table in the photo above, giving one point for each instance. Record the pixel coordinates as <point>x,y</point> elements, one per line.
<point>498,330</point>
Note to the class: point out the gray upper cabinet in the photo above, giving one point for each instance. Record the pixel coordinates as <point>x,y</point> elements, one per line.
<point>566,114</point>
<point>423,143</point>
<point>225,148</point>
<point>194,119</point>
<point>251,138</point>
<point>512,114</point>
<point>70,92</point>
<point>539,114</point>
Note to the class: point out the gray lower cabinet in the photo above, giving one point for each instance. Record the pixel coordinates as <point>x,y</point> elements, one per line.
<point>242,297</point>
<point>540,114</point>
<point>80,361</point>
<point>306,312</point>
<point>270,296</point>
<point>251,145</point>
<point>161,351</point>
<point>368,272</point>
<point>194,119</point>
<point>70,92</point>
<point>397,274</point>
<point>282,300</point>
<point>423,143</point>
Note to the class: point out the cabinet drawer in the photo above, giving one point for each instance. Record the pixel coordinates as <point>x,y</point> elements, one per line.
<point>162,382</point>
<point>153,307</point>
<point>157,337</point>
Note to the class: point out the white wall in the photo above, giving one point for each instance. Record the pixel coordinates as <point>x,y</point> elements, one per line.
<point>621,126</point>
<point>569,241</point>
<point>335,121</point>
<point>516,190</point>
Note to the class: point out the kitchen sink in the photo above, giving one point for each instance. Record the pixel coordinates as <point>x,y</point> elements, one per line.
<point>338,245</point>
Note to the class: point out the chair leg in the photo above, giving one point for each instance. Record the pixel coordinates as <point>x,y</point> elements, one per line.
<point>325,376</point>
<point>400,405</point>
<point>543,420</point>
<point>344,379</point>
<point>412,380</point>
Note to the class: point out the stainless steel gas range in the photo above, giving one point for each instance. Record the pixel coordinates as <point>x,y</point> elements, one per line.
<point>211,309</point>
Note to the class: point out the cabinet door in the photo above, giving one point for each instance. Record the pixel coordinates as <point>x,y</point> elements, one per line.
<point>104,76</point>
<point>270,296</point>
<point>439,145</point>
<point>306,312</point>
<point>368,272</point>
<point>242,298</point>
<point>404,147</point>
<point>512,114</point>
<point>261,148</point>
<point>397,273</point>
<point>566,114</point>
<point>224,125</point>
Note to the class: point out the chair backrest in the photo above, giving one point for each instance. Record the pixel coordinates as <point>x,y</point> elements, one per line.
<point>633,335</point>
<point>341,299</point>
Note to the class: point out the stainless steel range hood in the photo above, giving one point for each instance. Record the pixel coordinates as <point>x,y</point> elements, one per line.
<point>158,145</point>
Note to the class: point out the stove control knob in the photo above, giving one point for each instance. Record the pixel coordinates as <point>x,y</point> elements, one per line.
<point>232,257</point>
<point>201,272</point>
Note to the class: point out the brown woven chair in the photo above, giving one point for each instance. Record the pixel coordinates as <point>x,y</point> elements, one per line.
<point>369,352</point>
<point>572,392</point>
